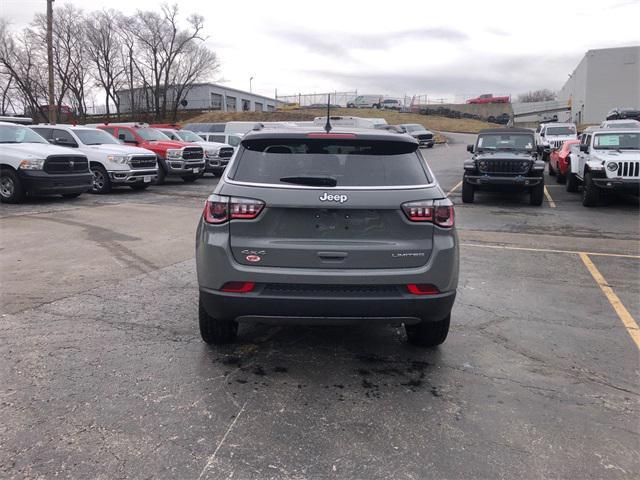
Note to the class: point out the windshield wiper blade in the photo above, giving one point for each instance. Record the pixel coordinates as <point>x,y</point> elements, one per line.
<point>311,181</point>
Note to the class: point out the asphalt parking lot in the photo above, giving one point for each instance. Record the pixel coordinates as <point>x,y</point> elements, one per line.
<point>104,374</point>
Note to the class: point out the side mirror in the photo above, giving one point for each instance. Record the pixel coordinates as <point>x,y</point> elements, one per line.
<point>584,148</point>
<point>122,136</point>
<point>470,148</point>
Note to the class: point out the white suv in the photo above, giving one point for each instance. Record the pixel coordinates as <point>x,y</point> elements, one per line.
<point>112,163</point>
<point>551,136</point>
<point>606,159</point>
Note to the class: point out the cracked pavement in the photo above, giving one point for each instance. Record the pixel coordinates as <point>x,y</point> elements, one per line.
<point>104,374</point>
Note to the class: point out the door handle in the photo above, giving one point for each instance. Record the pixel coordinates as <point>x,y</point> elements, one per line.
<point>332,256</point>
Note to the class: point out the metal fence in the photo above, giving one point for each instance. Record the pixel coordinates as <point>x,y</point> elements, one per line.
<point>307,99</point>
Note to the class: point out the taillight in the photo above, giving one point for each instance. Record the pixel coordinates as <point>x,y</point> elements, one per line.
<point>422,289</point>
<point>444,216</point>
<point>427,211</point>
<point>219,209</point>
<point>238,287</point>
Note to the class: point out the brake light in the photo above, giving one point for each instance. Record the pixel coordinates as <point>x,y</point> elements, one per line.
<point>427,211</point>
<point>422,289</point>
<point>219,209</point>
<point>245,207</point>
<point>331,135</point>
<point>238,287</point>
<point>419,211</point>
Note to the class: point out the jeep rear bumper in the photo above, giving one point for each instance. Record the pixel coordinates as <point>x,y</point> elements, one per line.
<point>321,309</point>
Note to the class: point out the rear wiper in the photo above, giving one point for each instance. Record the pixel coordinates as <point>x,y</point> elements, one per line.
<point>311,181</point>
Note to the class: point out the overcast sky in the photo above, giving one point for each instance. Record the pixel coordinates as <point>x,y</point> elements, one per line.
<point>442,49</point>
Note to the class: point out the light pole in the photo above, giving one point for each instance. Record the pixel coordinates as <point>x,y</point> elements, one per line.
<point>251,85</point>
<point>52,106</point>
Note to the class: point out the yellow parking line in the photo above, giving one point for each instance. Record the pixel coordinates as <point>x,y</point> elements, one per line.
<point>552,204</point>
<point>456,186</point>
<point>626,318</point>
<point>548,250</point>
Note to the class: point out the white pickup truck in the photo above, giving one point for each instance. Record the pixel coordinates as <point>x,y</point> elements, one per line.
<point>112,163</point>
<point>30,165</point>
<point>551,136</point>
<point>605,159</point>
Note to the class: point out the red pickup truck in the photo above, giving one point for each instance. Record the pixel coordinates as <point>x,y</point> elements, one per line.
<point>488,98</point>
<point>183,159</point>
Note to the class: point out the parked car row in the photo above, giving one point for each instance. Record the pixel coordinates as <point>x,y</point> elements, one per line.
<point>502,119</point>
<point>72,159</point>
<point>604,158</point>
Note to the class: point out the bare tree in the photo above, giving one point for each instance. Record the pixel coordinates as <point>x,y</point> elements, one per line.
<point>19,60</point>
<point>104,50</point>
<point>537,96</point>
<point>195,63</point>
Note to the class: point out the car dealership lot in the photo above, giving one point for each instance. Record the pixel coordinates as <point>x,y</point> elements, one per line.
<point>104,373</point>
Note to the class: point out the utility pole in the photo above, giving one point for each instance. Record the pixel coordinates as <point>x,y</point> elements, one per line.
<point>251,85</point>
<point>52,106</point>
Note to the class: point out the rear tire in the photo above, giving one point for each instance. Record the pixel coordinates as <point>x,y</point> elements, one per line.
<point>430,145</point>
<point>560,178</point>
<point>428,334</point>
<point>468,192</point>
<point>140,186</point>
<point>572,182</point>
<point>11,189</point>
<point>552,171</point>
<point>101,183</point>
<point>536,195</point>
<point>590,192</point>
<point>216,331</point>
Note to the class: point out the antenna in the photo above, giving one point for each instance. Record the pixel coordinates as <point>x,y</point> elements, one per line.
<point>327,126</point>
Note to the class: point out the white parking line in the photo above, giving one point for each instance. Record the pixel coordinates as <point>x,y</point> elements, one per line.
<point>211,459</point>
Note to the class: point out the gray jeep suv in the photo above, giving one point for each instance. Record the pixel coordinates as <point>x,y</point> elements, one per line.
<point>310,227</point>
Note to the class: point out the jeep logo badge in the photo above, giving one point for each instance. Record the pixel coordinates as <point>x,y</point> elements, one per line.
<point>328,197</point>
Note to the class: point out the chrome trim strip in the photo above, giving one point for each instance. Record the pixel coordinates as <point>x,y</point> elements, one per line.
<point>339,187</point>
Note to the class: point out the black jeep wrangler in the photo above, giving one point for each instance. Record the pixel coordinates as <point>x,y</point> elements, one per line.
<point>504,157</point>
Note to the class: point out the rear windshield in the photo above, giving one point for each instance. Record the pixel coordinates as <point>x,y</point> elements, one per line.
<point>355,163</point>
<point>560,131</point>
<point>505,141</point>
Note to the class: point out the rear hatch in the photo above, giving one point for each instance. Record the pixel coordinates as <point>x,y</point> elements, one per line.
<point>332,203</point>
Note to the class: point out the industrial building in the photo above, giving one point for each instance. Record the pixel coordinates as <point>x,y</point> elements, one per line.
<point>605,79</point>
<point>206,96</point>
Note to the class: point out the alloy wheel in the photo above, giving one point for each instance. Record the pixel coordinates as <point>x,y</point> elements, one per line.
<point>7,187</point>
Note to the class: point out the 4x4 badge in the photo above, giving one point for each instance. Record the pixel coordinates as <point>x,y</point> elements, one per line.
<point>329,197</point>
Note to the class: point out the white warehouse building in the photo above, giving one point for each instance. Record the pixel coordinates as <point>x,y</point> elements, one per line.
<point>605,79</point>
<point>207,96</point>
